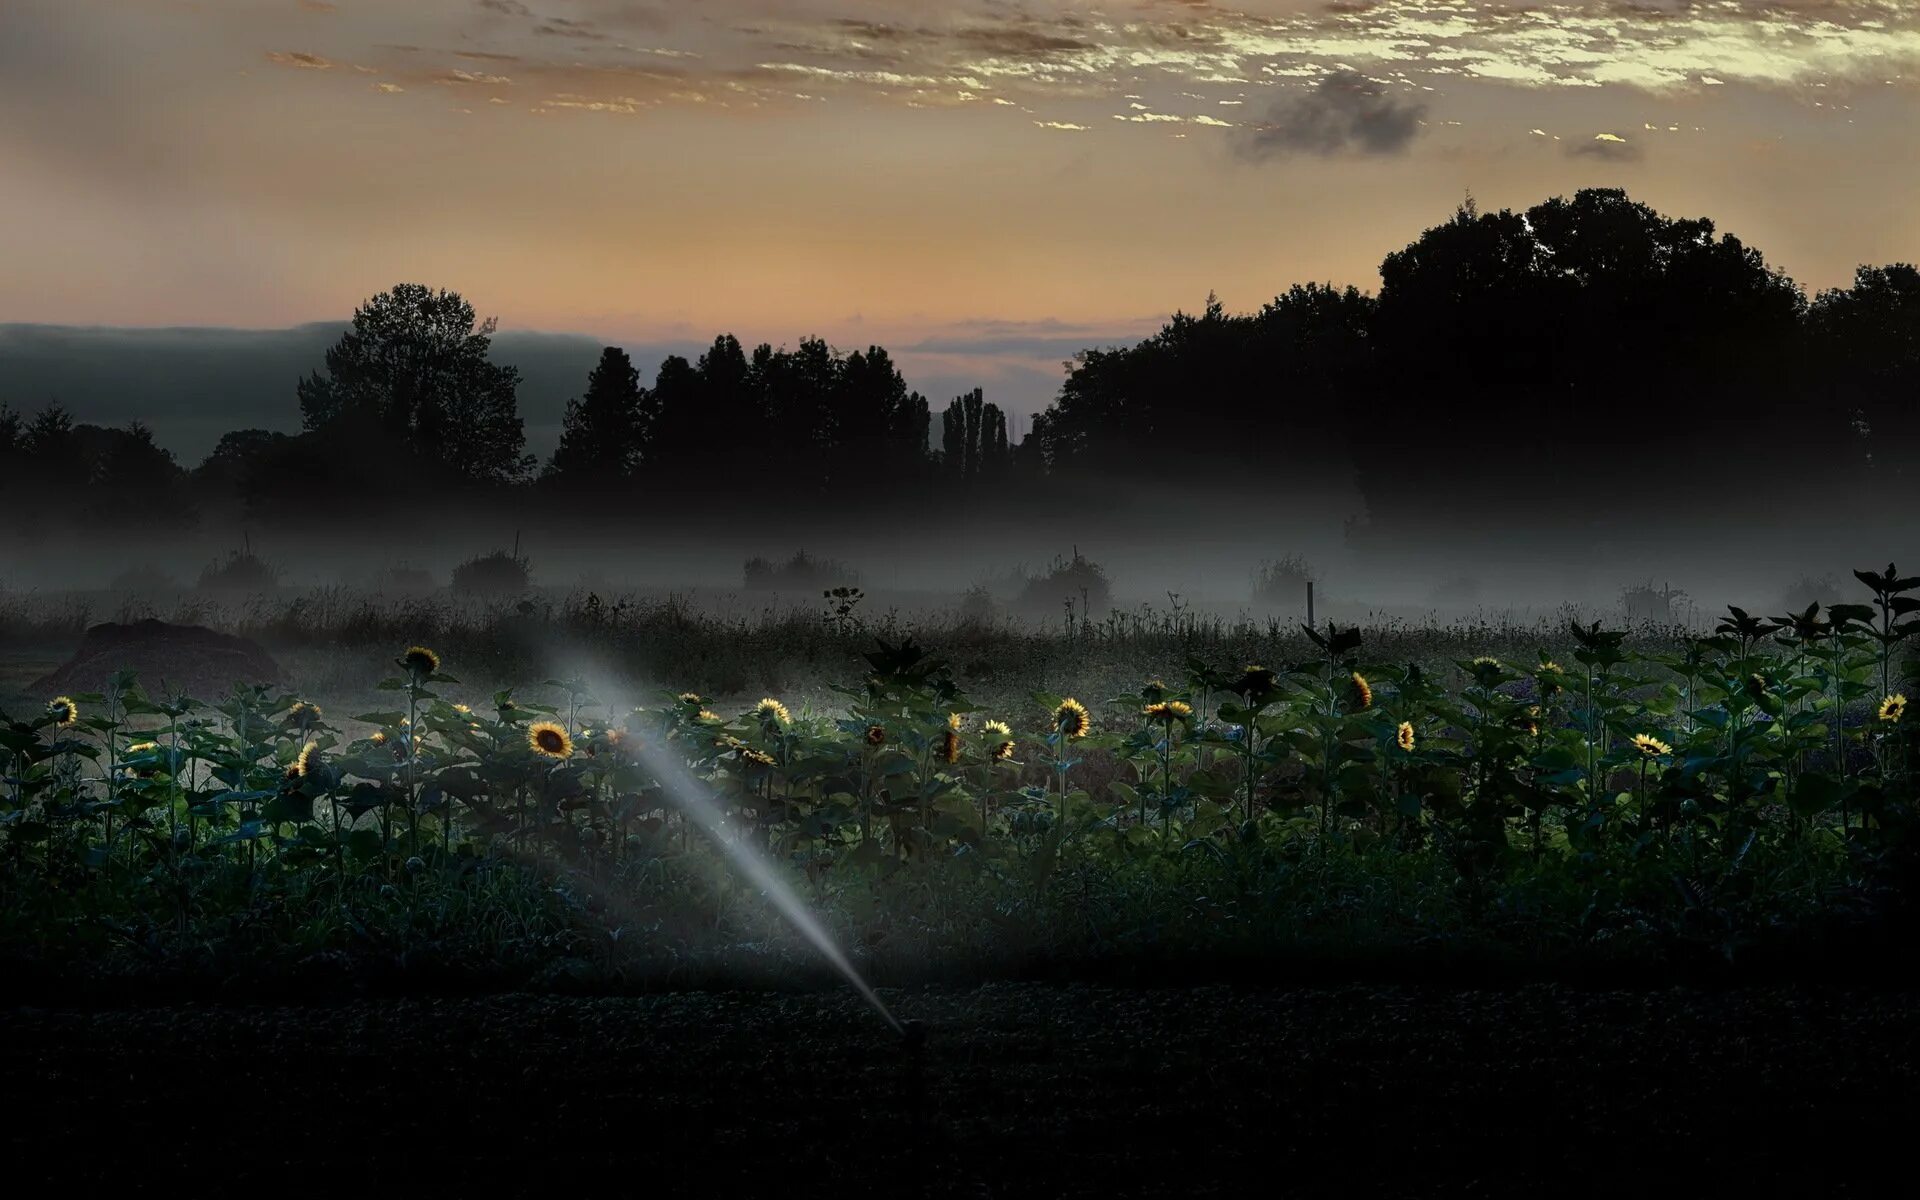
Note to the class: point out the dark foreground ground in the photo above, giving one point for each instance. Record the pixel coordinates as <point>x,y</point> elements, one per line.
<point>1021,1089</point>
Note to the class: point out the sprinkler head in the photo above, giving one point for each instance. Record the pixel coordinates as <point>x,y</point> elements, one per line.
<point>913,1034</point>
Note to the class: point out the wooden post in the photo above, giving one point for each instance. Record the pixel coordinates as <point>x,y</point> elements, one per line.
<point>1310,603</point>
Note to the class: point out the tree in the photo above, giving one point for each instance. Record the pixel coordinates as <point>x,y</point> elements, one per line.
<point>604,436</point>
<point>1866,363</point>
<point>413,372</point>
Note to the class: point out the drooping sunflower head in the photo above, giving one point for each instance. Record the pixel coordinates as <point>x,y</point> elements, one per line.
<point>1153,691</point>
<point>420,663</point>
<point>759,758</point>
<point>772,713</point>
<point>304,715</point>
<point>876,735</point>
<point>302,762</point>
<point>1002,739</point>
<point>950,740</point>
<point>1650,746</point>
<point>1530,721</point>
<point>1756,685</point>
<point>1168,711</point>
<point>463,710</point>
<point>691,699</point>
<point>1893,708</point>
<point>1362,693</point>
<point>1072,719</point>
<point>550,740</point>
<point>63,711</point>
<point>1255,680</point>
<point>708,715</point>
<point>378,737</point>
<point>1550,673</point>
<point>1403,737</point>
<point>143,748</point>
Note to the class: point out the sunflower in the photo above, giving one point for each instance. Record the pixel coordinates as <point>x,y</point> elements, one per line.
<point>876,735</point>
<point>1071,719</point>
<point>550,740</point>
<point>1550,672</point>
<point>1650,746</point>
<point>304,714</point>
<point>707,714</point>
<point>1893,707</point>
<point>143,748</point>
<point>1404,736</point>
<point>1756,686</point>
<point>772,712</point>
<point>1362,693</point>
<point>379,737</point>
<point>1485,663</point>
<point>1255,680</point>
<point>690,699</point>
<point>302,762</point>
<point>759,758</point>
<point>1153,691</point>
<point>1003,739</point>
<point>420,663</point>
<point>63,711</point>
<point>1168,711</point>
<point>463,710</point>
<point>1530,723</point>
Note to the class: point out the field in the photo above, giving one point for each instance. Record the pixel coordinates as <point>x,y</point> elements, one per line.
<point>1256,888</point>
<point>1121,795</point>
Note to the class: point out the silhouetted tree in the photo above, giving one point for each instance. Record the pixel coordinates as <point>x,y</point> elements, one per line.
<point>604,436</point>
<point>413,371</point>
<point>1865,359</point>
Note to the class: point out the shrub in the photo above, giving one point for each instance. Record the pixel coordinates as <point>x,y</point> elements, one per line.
<point>1079,580</point>
<point>240,571</point>
<point>499,573</point>
<point>800,571</point>
<point>1283,584</point>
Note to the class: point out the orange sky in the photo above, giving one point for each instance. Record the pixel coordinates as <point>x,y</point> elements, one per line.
<point>999,178</point>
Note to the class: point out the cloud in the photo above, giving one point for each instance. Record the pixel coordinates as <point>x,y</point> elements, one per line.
<point>1345,113</point>
<point>1608,147</point>
<point>299,58</point>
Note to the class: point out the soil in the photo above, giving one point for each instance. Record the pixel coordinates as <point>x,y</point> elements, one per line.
<point>1019,1089</point>
<point>166,658</point>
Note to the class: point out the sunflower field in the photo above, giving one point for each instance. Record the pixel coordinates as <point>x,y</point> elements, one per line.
<point>1746,785</point>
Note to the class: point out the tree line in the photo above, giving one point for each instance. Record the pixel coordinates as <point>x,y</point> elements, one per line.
<point>1527,367</point>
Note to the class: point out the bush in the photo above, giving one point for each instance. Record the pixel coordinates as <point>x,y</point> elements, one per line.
<point>500,573</point>
<point>241,571</point>
<point>1661,605</point>
<point>1283,584</point>
<point>1808,589</point>
<point>799,572</point>
<point>977,607</point>
<point>1079,580</point>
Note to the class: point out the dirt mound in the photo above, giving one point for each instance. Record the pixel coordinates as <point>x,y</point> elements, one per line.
<point>190,658</point>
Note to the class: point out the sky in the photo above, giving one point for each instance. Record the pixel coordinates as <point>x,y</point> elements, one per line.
<point>983,186</point>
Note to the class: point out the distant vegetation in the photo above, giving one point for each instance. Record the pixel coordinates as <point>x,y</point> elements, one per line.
<point>1428,395</point>
<point>496,573</point>
<point>802,573</point>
